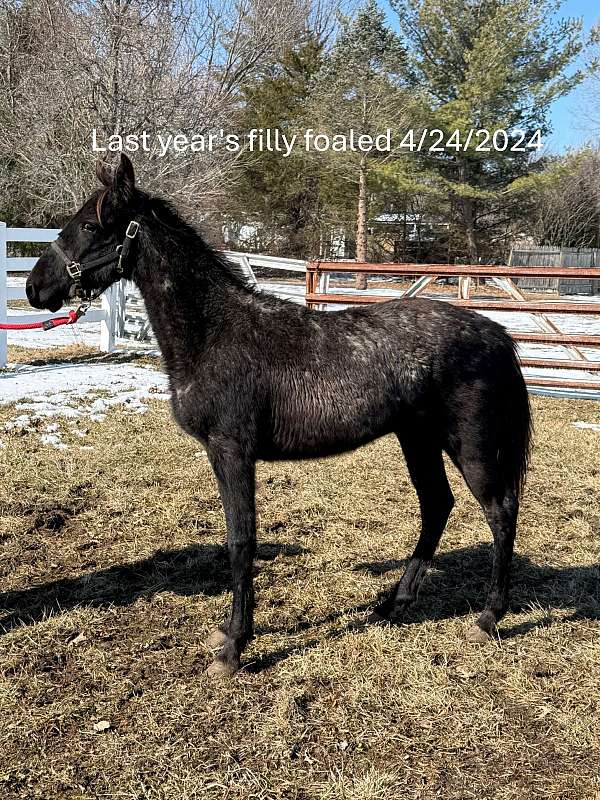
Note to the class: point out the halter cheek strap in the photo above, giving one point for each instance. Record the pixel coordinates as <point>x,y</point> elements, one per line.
<point>119,255</point>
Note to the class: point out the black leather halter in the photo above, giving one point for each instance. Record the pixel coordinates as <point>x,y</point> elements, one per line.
<point>118,256</point>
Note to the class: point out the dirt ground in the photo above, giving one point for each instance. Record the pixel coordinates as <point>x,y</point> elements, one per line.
<point>112,571</point>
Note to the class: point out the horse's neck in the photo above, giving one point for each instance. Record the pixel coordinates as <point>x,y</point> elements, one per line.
<point>186,294</point>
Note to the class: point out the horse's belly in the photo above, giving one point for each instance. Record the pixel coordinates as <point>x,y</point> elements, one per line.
<point>318,428</point>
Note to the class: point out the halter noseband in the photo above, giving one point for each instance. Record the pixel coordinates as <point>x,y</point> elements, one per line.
<point>119,255</point>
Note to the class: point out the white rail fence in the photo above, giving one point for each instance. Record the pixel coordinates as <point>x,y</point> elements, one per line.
<point>106,315</point>
<point>113,314</point>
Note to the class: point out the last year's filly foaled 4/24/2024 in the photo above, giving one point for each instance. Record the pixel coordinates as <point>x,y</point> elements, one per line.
<point>255,377</point>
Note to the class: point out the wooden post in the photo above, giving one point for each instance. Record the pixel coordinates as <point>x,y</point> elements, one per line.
<point>308,281</point>
<point>3,295</point>
<point>323,288</point>
<point>312,275</point>
<point>248,271</point>
<point>464,287</point>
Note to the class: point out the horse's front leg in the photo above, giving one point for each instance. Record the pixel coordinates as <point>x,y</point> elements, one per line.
<point>235,475</point>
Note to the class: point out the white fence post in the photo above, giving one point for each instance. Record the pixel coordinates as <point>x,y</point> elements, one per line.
<point>107,326</point>
<point>121,307</point>
<point>3,294</point>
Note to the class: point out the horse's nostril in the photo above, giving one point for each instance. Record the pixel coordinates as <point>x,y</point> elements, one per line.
<point>29,290</point>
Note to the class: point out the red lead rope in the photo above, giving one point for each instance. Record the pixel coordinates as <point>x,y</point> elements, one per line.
<point>46,325</point>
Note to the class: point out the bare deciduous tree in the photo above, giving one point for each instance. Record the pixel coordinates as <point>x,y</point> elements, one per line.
<point>591,108</point>
<point>124,67</point>
<point>566,206</point>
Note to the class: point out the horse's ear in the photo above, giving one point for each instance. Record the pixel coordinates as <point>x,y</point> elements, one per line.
<point>121,180</point>
<point>123,183</point>
<point>104,173</point>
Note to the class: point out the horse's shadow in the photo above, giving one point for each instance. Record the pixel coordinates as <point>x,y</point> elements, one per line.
<point>458,582</point>
<point>190,571</point>
<point>455,587</point>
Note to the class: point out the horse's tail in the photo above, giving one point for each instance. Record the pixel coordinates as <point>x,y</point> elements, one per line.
<point>516,427</point>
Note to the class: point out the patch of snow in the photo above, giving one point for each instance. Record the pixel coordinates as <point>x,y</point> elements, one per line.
<point>83,333</point>
<point>70,392</point>
<point>54,440</point>
<point>58,389</point>
<point>22,423</point>
<point>591,426</point>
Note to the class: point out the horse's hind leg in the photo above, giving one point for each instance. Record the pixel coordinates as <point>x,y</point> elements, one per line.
<point>426,468</point>
<point>500,505</point>
<point>501,514</point>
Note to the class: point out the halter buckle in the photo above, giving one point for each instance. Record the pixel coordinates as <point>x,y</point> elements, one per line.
<point>132,229</point>
<point>74,270</point>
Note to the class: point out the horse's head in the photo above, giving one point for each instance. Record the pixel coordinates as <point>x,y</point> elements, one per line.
<point>94,248</point>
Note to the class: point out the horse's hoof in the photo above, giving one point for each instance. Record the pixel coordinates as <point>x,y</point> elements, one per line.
<point>216,639</point>
<point>221,669</point>
<point>478,635</point>
<point>376,619</point>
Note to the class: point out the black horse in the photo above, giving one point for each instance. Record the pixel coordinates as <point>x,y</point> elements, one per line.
<point>254,377</point>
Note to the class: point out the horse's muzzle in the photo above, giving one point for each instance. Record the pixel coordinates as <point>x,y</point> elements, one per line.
<point>40,298</point>
<point>30,292</point>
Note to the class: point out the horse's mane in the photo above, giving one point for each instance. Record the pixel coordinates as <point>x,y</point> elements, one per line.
<point>164,213</point>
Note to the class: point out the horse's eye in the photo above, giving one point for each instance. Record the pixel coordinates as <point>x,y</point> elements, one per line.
<point>89,226</point>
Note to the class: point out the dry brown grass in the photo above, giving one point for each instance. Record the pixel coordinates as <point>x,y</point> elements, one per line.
<point>77,353</point>
<point>33,355</point>
<point>112,572</point>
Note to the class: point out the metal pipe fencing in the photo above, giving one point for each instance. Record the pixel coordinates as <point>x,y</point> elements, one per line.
<point>422,276</point>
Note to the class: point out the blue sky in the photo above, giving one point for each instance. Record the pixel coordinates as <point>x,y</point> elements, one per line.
<point>566,117</point>
<point>569,127</point>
